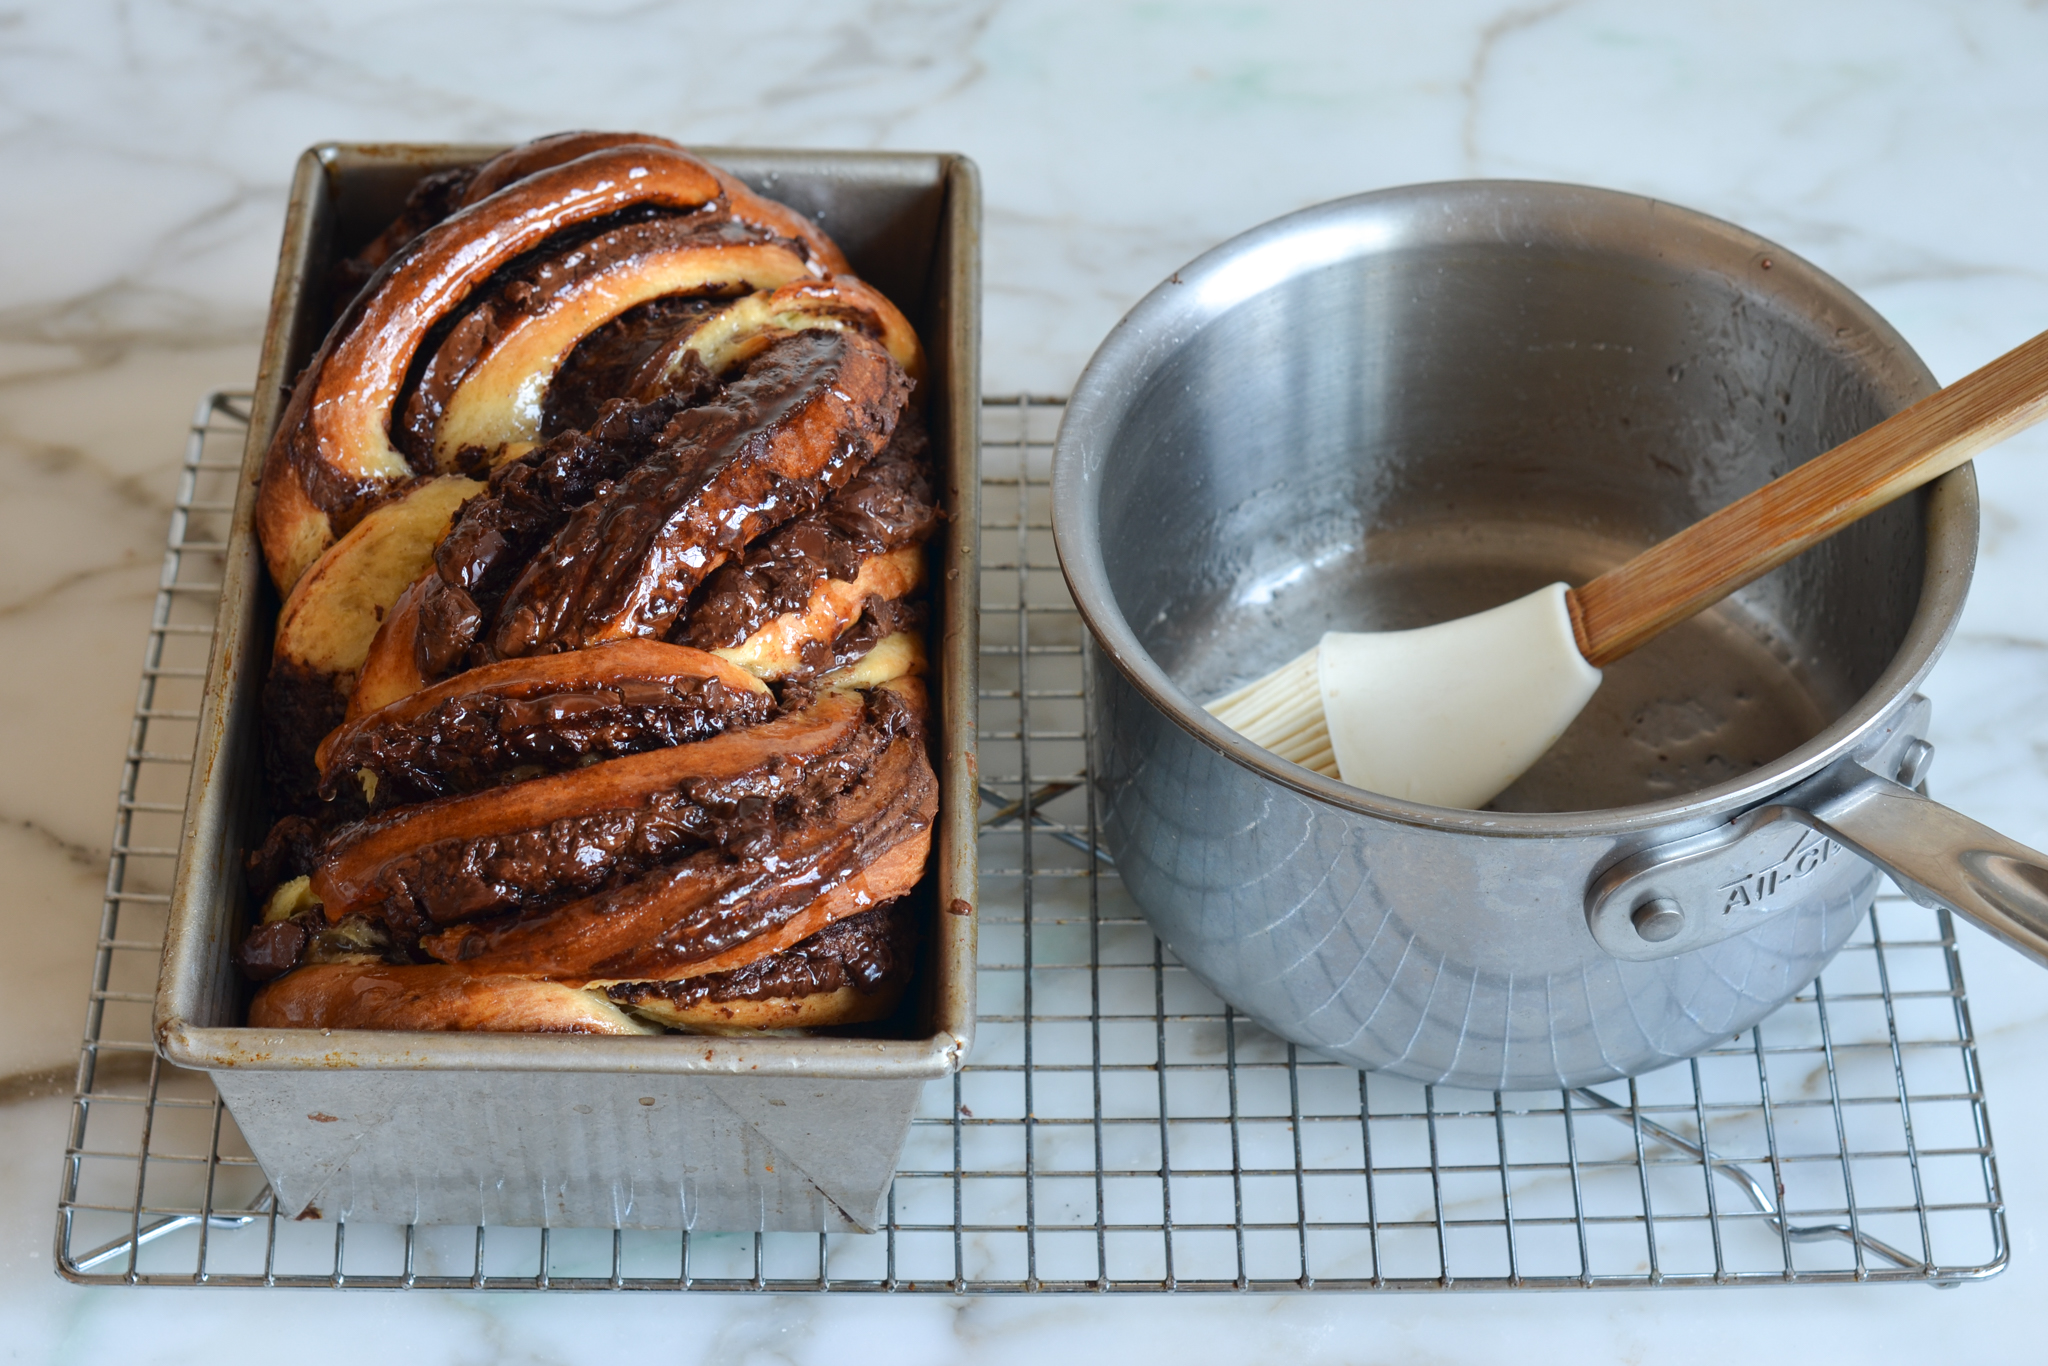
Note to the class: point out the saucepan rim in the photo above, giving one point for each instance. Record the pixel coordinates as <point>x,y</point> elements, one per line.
<point>1210,287</point>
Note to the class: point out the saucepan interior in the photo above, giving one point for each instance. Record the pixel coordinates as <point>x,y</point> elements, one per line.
<point>1407,407</point>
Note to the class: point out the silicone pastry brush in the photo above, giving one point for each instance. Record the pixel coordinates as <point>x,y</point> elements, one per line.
<point>1450,715</point>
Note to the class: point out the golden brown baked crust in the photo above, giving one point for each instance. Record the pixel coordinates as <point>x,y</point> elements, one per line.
<point>816,1010</point>
<point>431,997</point>
<point>738,332</point>
<point>777,650</point>
<point>490,408</point>
<point>327,625</point>
<point>339,604</point>
<point>332,456</point>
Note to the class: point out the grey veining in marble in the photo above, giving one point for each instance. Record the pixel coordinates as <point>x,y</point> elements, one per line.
<point>144,150</point>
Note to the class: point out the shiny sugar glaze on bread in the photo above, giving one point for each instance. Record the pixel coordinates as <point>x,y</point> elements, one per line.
<point>601,521</point>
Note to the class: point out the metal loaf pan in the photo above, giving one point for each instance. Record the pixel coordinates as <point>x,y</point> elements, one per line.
<point>675,1131</point>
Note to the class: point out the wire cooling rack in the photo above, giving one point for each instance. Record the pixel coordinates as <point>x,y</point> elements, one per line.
<point>1118,1128</point>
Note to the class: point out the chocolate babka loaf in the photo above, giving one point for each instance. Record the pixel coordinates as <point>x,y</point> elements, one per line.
<point>600,519</point>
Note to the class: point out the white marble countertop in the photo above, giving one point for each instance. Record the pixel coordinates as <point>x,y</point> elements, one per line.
<point>146,147</point>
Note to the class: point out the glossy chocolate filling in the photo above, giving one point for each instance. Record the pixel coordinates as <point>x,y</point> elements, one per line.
<point>807,414</point>
<point>888,505</point>
<point>709,904</point>
<point>275,949</point>
<point>880,618</point>
<point>870,951</point>
<point>470,739</point>
<point>448,881</point>
<point>605,364</point>
<point>347,498</point>
<point>523,504</point>
<point>532,287</point>
<point>291,849</point>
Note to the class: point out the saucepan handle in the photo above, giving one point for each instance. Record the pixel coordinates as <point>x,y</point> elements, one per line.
<point>1695,892</point>
<point>1941,857</point>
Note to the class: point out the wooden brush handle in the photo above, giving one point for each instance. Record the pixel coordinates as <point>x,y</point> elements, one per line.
<point>1710,559</point>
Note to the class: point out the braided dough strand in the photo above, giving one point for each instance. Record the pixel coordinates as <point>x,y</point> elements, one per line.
<point>333,454</point>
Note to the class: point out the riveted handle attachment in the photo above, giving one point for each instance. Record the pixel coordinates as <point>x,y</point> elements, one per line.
<point>1814,843</point>
<point>1941,857</point>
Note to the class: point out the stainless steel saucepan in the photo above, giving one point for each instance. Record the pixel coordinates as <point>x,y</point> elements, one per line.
<point>1408,406</point>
